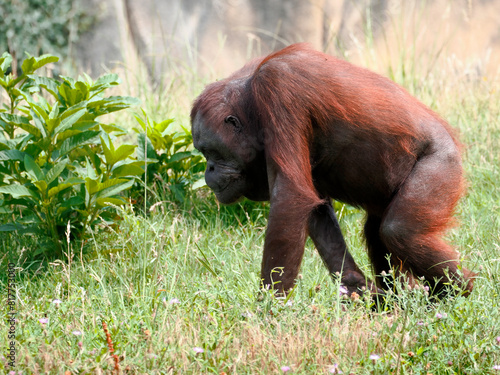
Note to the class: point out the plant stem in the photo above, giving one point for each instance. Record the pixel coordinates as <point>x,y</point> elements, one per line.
<point>53,230</point>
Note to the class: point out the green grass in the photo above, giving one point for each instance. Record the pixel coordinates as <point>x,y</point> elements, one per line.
<point>187,277</point>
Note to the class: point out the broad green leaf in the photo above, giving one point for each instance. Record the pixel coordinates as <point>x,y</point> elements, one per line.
<point>107,148</point>
<point>162,126</point>
<point>123,152</point>
<point>111,201</point>
<point>141,121</point>
<point>55,171</point>
<point>199,184</point>
<point>34,149</point>
<point>83,125</point>
<point>73,201</point>
<point>23,201</point>
<point>4,83</point>
<point>77,140</point>
<point>131,169</point>
<point>37,113</point>
<point>67,134</point>
<point>4,139</point>
<point>40,125</point>
<point>112,128</point>
<point>26,94</point>
<point>91,185</point>
<point>73,109</point>
<point>11,227</point>
<point>159,142</point>
<point>65,93</point>
<point>106,79</point>
<point>104,82</point>
<point>39,106</point>
<point>143,141</point>
<point>57,189</point>
<point>92,157</point>
<point>41,185</point>
<point>69,121</point>
<point>68,80</point>
<point>20,228</point>
<point>31,64</point>
<point>15,120</point>
<point>196,152</point>
<point>54,113</point>
<point>5,62</point>
<point>49,84</point>
<point>18,191</point>
<point>69,93</point>
<point>28,65</point>
<point>86,170</point>
<point>112,104</point>
<point>32,129</point>
<point>83,88</point>
<point>23,141</point>
<point>32,168</point>
<point>86,79</point>
<point>74,180</point>
<point>113,187</point>
<point>180,156</point>
<point>44,60</point>
<point>109,183</point>
<point>12,155</point>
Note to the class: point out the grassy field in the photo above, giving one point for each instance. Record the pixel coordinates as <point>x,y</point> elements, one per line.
<point>178,290</point>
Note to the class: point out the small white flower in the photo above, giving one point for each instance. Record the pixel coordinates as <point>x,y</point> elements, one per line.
<point>335,369</point>
<point>246,314</point>
<point>343,290</point>
<point>374,357</point>
<point>198,350</point>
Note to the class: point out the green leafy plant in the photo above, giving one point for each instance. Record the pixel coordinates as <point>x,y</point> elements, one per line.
<point>42,26</point>
<point>174,167</point>
<point>59,165</point>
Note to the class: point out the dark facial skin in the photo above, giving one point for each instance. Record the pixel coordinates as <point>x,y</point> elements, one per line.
<point>228,174</point>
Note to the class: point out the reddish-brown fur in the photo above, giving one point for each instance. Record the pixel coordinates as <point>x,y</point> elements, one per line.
<point>311,127</point>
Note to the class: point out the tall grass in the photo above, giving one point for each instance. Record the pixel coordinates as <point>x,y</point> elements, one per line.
<point>178,289</point>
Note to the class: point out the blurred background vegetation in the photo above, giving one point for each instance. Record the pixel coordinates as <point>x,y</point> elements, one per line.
<point>218,36</point>
<point>41,26</point>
